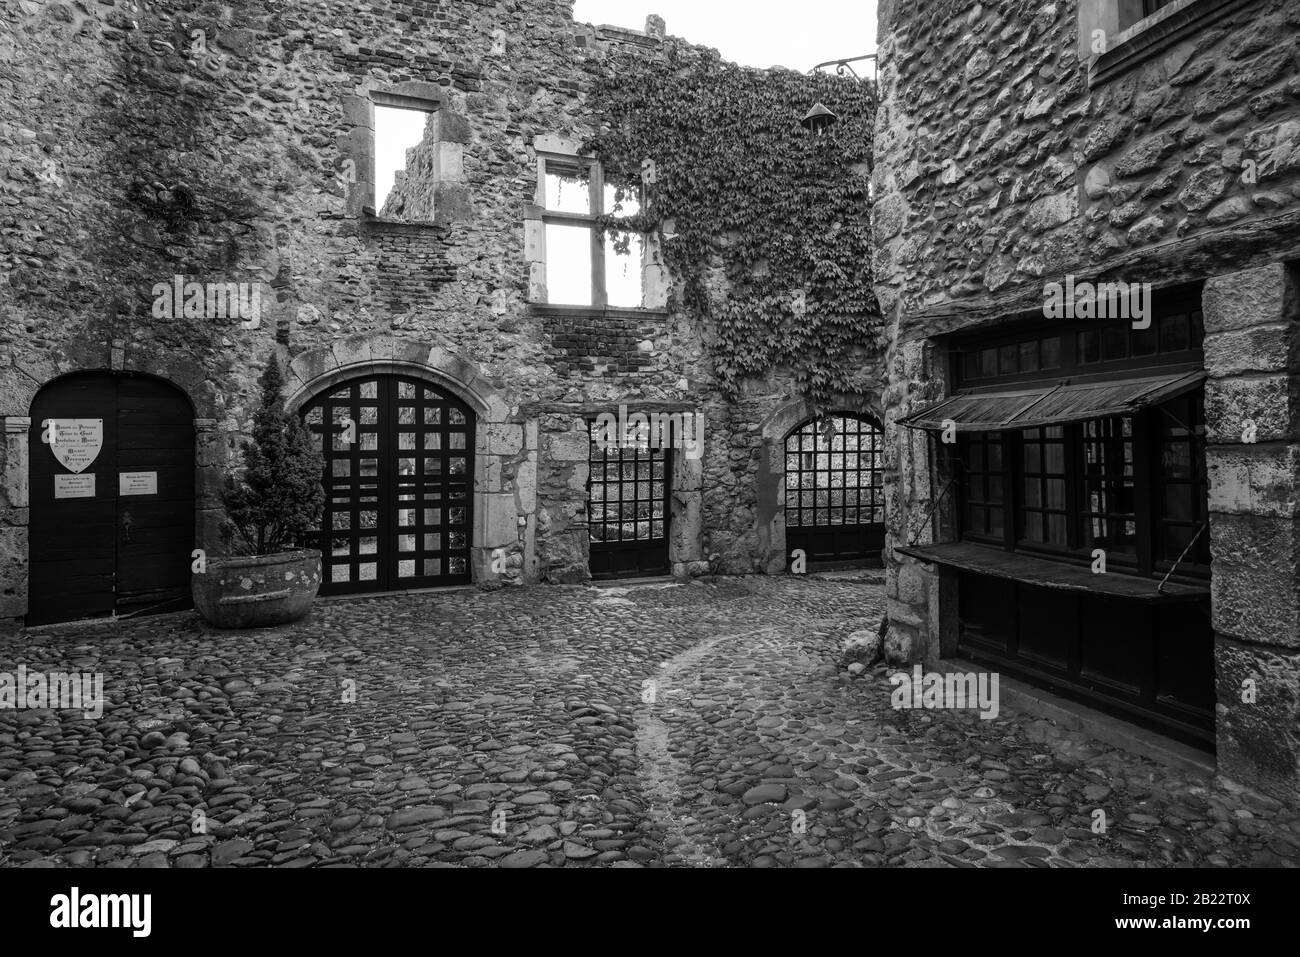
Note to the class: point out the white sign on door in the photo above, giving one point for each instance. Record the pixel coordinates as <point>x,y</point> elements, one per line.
<point>76,442</point>
<point>137,483</point>
<point>74,486</point>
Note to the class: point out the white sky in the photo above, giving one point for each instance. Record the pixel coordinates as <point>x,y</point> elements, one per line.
<point>759,33</point>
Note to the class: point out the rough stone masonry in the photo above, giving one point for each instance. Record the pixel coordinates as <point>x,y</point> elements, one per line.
<point>233,143</point>
<point>1166,153</point>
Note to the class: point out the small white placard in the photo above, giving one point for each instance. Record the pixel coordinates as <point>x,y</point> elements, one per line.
<point>137,483</point>
<point>74,486</point>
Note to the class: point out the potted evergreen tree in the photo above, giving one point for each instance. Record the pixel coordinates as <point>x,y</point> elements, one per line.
<point>269,577</point>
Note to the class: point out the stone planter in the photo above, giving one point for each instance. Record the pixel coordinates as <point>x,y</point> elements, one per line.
<point>258,592</point>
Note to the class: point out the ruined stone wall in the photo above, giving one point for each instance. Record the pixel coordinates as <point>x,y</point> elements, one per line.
<point>1021,166</point>
<point>230,143</point>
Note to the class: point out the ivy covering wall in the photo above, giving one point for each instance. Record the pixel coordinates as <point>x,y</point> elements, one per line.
<point>740,186</point>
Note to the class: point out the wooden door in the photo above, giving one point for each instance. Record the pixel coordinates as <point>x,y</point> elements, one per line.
<point>116,536</point>
<point>628,510</point>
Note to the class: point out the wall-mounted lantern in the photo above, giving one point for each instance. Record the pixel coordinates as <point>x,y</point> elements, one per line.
<point>819,119</point>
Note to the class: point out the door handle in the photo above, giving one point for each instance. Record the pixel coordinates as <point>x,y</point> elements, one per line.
<point>126,526</point>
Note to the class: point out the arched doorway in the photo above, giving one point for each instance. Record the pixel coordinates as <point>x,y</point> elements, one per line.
<point>399,485</point>
<point>835,490</point>
<point>112,498</point>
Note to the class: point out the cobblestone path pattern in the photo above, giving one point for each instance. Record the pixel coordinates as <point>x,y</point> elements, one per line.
<point>525,712</point>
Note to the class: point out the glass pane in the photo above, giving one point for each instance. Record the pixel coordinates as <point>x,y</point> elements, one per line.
<point>568,264</point>
<point>370,390</point>
<point>1089,346</point>
<point>1114,343</point>
<point>340,574</point>
<point>369,545</point>
<point>1029,356</point>
<point>1174,334</point>
<point>433,416</point>
<point>1056,493</point>
<point>624,279</point>
<point>369,573</point>
<point>627,204</point>
<point>1051,352</point>
<point>568,187</point>
<point>1033,493</point>
<point>1033,457</point>
<point>1178,502</point>
<point>406,543</point>
<point>406,569</point>
<point>1056,529</point>
<point>432,567</point>
<point>1007,357</point>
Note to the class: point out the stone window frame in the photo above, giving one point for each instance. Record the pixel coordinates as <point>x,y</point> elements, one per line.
<point>551,147</point>
<point>450,134</point>
<point>1133,37</point>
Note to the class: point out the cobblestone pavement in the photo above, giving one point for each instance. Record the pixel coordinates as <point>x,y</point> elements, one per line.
<point>705,724</point>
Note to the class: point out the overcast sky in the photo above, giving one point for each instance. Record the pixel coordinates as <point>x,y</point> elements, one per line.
<point>758,33</point>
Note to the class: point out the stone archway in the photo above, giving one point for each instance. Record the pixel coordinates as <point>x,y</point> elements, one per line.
<point>504,467</point>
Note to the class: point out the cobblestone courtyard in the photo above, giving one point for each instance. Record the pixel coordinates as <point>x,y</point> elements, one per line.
<point>511,729</point>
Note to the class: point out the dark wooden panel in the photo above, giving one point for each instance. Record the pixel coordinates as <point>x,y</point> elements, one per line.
<point>155,533</point>
<point>1151,664</point>
<point>73,542</point>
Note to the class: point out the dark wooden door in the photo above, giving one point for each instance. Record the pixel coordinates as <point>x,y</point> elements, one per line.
<point>628,511</point>
<point>399,485</point>
<point>835,490</point>
<point>117,537</point>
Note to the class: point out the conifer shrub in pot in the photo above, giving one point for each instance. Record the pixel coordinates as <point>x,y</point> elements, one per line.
<point>268,576</point>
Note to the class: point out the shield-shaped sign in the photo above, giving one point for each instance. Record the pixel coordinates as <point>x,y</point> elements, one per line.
<point>74,442</point>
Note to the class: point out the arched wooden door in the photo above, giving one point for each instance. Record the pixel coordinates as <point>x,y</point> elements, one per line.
<point>399,485</point>
<point>835,489</point>
<point>112,498</point>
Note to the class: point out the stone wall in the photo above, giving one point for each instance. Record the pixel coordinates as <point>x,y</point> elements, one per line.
<point>1032,162</point>
<point>231,143</point>
<point>1012,170</point>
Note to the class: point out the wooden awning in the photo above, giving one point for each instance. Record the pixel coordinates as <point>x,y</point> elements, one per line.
<point>1054,575</point>
<point>1038,406</point>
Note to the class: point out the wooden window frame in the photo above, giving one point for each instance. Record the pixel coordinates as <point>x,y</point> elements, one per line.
<point>590,221</point>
